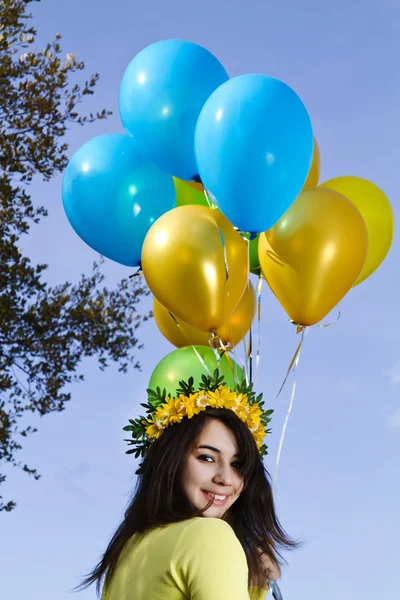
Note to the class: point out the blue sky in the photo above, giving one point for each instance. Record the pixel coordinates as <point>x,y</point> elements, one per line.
<point>338,488</point>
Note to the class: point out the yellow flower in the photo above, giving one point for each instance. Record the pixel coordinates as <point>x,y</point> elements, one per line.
<point>172,411</point>
<point>259,436</point>
<point>222,398</point>
<point>242,399</point>
<point>194,403</point>
<point>155,429</point>
<point>255,412</point>
<point>243,411</point>
<point>254,416</point>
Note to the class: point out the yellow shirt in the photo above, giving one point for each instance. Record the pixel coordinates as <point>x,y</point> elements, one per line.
<point>197,559</point>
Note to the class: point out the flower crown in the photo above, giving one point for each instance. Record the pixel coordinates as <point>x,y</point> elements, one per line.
<point>163,411</point>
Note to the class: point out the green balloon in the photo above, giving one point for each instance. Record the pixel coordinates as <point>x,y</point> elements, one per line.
<point>187,195</point>
<point>253,254</point>
<point>254,262</point>
<point>184,363</point>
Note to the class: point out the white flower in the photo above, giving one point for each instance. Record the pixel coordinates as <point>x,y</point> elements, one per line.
<point>202,401</point>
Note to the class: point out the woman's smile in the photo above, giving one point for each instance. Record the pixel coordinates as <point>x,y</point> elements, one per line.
<point>218,499</point>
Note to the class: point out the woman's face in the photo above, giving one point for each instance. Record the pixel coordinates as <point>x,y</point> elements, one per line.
<point>212,470</point>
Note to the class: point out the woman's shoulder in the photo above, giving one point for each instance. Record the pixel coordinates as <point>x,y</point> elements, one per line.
<point>204,526</point>
<point>206,548</point>
<point>206,534</point>
<point>199,536</point>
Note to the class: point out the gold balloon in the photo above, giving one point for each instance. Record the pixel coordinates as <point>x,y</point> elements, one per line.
<point>181,334</point>
<point>230,334</point>
<point>314,254</point>
<point>197,186</point>
<point>240,320</point>
<point>196,265</point>
<point>315,169</point>
<point>377,213</point>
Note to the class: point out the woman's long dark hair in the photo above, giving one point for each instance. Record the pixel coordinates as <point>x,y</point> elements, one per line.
<point>159,499</point>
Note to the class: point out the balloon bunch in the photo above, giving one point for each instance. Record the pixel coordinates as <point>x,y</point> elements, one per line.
<point>214,178</point>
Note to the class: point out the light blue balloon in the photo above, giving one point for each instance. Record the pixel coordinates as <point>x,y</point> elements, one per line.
<point>254,147</point>
<point>112,196</point>
<point>162,93</point>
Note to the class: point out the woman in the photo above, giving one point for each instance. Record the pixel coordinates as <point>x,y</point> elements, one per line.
<point>201,524</point>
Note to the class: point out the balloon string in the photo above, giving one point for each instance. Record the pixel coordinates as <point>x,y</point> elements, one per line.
<point>217,346</point>
<point>303,330</point>
<point>210,202</point>
<point>250,355</point>
<point>228,348</point>
<point>248,346</point>
<point>212,341</point>
<point>202,361</point>
<point>259,289</point>
<point>136,273</point>
<point>293,366</point>
<point>331,323</point>
<point>225,258</point>
<point>234,371</point>
<point>245,362</point>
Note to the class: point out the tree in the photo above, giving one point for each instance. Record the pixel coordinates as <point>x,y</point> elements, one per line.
<point>45,331</point>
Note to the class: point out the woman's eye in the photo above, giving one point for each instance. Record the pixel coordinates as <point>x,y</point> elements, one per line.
<point>205,458</point>
<point>237,465</point>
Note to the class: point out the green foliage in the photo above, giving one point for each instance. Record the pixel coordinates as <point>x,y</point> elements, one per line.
<point>45,331</point>
<point>244,388</point>
<point>156,397</point>
<point>186,388</point>
<point>139,439</point>
<point>209,383</point>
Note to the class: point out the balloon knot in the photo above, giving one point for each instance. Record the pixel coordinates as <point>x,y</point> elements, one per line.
<point>138,272</point>
<point>299,328</point>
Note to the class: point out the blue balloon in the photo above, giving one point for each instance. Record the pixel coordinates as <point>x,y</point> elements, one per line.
<point>112,195</point>
<point>254,148</point>
<point>162,93</point>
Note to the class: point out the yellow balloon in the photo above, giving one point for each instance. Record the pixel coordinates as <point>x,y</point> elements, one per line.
<point>240,320</point>
<point>315,169</point>
<point>231,333</point>
<point>180,335</point>
<point>314,254</point>
<point>189,192</point>
<point>377,213</point>
<point>196,265</point>
<point>197,186</point>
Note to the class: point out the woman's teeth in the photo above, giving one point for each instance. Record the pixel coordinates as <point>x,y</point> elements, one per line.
<point>216,496</point>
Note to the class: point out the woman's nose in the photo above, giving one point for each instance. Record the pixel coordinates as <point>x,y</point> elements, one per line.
<point>223,475</point>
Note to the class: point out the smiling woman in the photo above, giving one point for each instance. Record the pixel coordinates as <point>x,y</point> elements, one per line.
<point>212,470</point>
<point>202,523</point>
